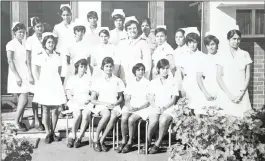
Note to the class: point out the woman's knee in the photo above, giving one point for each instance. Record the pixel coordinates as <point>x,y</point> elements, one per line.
<point>125,117</point>
<point>133,119</point>
<point>105,114</point>
<point>165,119</point>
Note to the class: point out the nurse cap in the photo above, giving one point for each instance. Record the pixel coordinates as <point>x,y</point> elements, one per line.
<point>104,28</point>
<point>131,18</point>
<point>191,30</point>
<point>14,24</point>
<point>65,5</point>
<point>31,21</point>
<point>118,12</point>
<point>47,34</point>
<point>79,22</point>
<point>162,26</point>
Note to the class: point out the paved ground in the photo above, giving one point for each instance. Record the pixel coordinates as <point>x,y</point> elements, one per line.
<point>57,151</point>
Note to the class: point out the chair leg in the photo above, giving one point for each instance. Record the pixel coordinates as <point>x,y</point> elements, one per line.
<point>90,139</point>
<point>92,129</point>
<point>67,135</point>
<point>117,133</point>
<point>146,137</point>
<point>169,135</point>
<point>139,133</point>
<point>113,138</point>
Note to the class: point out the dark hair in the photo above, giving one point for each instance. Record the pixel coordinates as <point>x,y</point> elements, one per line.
<point>161,30</point>
<point>92,14</point>
<point>104,31</point>
<point>19,26</point>
<point>118,16</point>
<point>49,37</point>
<point>162,63</point>
<point>231,33</point>
<point>147,20</point>
<point>107,60</point>
<point>65,8</point>
<point>80,62</point>
<point>210,38</point>
<point>129,23</point>
<point>35,21</point>
<point>180,30</point>
<point>79,28</point>
<point>191,37</point>
<point>137,66</point>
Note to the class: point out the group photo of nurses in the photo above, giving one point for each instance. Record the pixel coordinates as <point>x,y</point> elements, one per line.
<point>124,74</point>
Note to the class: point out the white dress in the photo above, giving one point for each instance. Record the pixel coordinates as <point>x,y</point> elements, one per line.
<point>34,45</point>
<point>91,37</point>
<point>138,91</point>
<point>65,36</point>
<point>99,52</point>
<point>163,92</point>
<point>79,88</point>
<point>161,52</point>
<point>131,52</point>
<point>150,39</point>
<point>192,64</point>
<point>234,78</point>
<point>19,58</point>
<point>49,89</point>
<point>116,36</point>
<point>107,91</point>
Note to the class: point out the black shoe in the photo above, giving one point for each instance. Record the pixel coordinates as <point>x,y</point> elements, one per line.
<point>70,142</point>
<point>103,147</point>
<point>97,147</point>
<point>22,127</point>
<point>120,147</point>
<point>127,148</point>
<point>154,149</point>
<point>56,138</point>
<point>48,139</point>
<point>77,143</point>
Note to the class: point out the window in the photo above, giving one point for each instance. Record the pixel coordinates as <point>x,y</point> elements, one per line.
<point>251,22</point>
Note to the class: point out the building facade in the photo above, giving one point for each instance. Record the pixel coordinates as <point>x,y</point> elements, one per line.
<point>216,17</point>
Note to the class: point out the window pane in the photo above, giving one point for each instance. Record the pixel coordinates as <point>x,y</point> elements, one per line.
<point>243,19</point>
<point>259,26</point>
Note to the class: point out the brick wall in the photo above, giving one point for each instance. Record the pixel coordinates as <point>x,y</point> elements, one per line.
<point>255,47</point>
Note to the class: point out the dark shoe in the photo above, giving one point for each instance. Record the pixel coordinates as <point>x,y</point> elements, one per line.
<point>22,127</point>
<point>97,147</point>
<point>56,138</point>
<point>120,147</point>
<point>154,149</point>
<point>48,139</point>
<point>103,147</point>
<point>40,127</point>
<point>70,142</point>
<point>77,143</point>
<point>127,148</point>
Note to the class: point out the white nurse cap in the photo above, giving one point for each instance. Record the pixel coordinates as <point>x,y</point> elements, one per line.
<point>118,12</point>
<point>131,18</point>
<point>31,21</point>
<point>65,5</point>
<point>191,30</point>
<point>47,34</point>
<point>14,24</point>
<point>104,28</point>
<point>162,26</point>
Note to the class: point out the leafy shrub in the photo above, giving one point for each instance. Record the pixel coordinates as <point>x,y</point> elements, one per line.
<point>216,137</point>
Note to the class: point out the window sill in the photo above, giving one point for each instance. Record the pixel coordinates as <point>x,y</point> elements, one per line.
<point>253,36</point>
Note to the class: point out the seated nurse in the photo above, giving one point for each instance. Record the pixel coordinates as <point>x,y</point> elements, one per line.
<point>136,104</point>
<point>107,95</point>
<point>163,94</point>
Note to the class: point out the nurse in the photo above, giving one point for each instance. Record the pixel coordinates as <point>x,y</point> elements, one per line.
<point>118,33</point>
<point>102,50</point>
<point>163,92</point>
<point>192,65</point>
<point>136,104</point>
<point>49,91</point>
<point>18,75</point>
<point>33,47</point>
<point>78,92</point>
<point>91,36</point>
<point>107,96</point>
<point>64,32</point>
<point>133,50</point>
<point>233,76</point>
<point>207,78</point>
<point>78,49</point>
<point>163,50</point>
<point>148,34</point>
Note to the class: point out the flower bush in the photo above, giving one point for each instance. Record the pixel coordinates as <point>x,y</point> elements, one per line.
<point>217,137</point>
<point>14,149</point>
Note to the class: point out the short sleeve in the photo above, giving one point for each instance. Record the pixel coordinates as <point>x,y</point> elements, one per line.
<point>59,60</point>
<point>120,85</point>
<point>10,46</point>
<point>247,58</point>
<point>28,45</point>
<point>55,30</point>
<point>70,83</point>
<point>38,59</point>
<point>95,84</point>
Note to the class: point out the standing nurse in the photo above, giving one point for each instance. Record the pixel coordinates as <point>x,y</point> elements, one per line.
<point>91,36</point>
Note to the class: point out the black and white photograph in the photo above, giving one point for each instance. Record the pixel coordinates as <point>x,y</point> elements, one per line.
<point>163,80</point>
